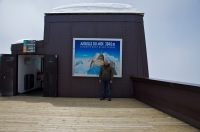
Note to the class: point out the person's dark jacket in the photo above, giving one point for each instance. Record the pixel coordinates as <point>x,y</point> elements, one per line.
<point>106,72</point>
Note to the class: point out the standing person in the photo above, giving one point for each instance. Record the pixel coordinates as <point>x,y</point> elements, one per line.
<point>106,77</point>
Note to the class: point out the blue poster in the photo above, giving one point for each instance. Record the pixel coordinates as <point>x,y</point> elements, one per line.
<point>89,55</point>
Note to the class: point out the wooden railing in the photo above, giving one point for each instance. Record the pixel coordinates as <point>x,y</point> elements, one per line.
<point>180,100</point>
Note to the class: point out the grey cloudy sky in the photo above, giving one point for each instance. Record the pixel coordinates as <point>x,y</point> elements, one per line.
<point>172,31</point>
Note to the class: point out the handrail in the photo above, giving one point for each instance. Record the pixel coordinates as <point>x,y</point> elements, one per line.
<point>173,84</point>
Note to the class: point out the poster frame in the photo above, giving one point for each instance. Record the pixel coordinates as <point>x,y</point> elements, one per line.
<point>95,39</point>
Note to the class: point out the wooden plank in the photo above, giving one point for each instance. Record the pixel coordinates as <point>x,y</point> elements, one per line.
<point>28,113</point>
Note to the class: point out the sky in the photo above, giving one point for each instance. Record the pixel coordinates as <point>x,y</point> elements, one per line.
<point>172,31</point>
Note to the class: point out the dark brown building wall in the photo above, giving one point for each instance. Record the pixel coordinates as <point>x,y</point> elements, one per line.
<point>58,39</point>
<point>176,99</point>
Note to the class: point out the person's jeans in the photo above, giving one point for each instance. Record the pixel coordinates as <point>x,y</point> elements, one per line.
<point>104,84</point>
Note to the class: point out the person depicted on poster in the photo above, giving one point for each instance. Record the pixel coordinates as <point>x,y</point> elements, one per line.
<point>106,79</point>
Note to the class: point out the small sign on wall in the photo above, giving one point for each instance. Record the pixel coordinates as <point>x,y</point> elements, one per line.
<point>29,46</point>
<point>27,61</point>
<point>35,61</point>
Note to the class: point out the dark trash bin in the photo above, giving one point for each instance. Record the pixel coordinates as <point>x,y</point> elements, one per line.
<point>28,81</point>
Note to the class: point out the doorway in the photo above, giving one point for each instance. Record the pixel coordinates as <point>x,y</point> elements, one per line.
<point>19,75</point>
<point>30,75</point>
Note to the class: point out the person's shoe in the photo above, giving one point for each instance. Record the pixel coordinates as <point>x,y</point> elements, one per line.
<point>102,98</point>
<point>109,99</point>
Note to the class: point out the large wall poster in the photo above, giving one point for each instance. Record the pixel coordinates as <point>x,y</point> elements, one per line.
<point>89,54</point>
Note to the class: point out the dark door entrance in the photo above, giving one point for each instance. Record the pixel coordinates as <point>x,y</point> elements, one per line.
<point>50,75</point>
<point>8,75</point>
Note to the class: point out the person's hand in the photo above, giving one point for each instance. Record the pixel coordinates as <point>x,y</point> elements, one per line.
<point>110,81</point>
<point>99,81</point>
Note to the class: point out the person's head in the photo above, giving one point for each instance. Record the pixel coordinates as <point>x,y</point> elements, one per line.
<point>106,62</point>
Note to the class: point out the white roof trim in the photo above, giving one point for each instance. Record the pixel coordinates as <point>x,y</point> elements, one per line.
<point>22,41</point>
<point>96,8</point>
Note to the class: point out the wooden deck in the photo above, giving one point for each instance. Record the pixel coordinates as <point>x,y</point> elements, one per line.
<point>30,113</point>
